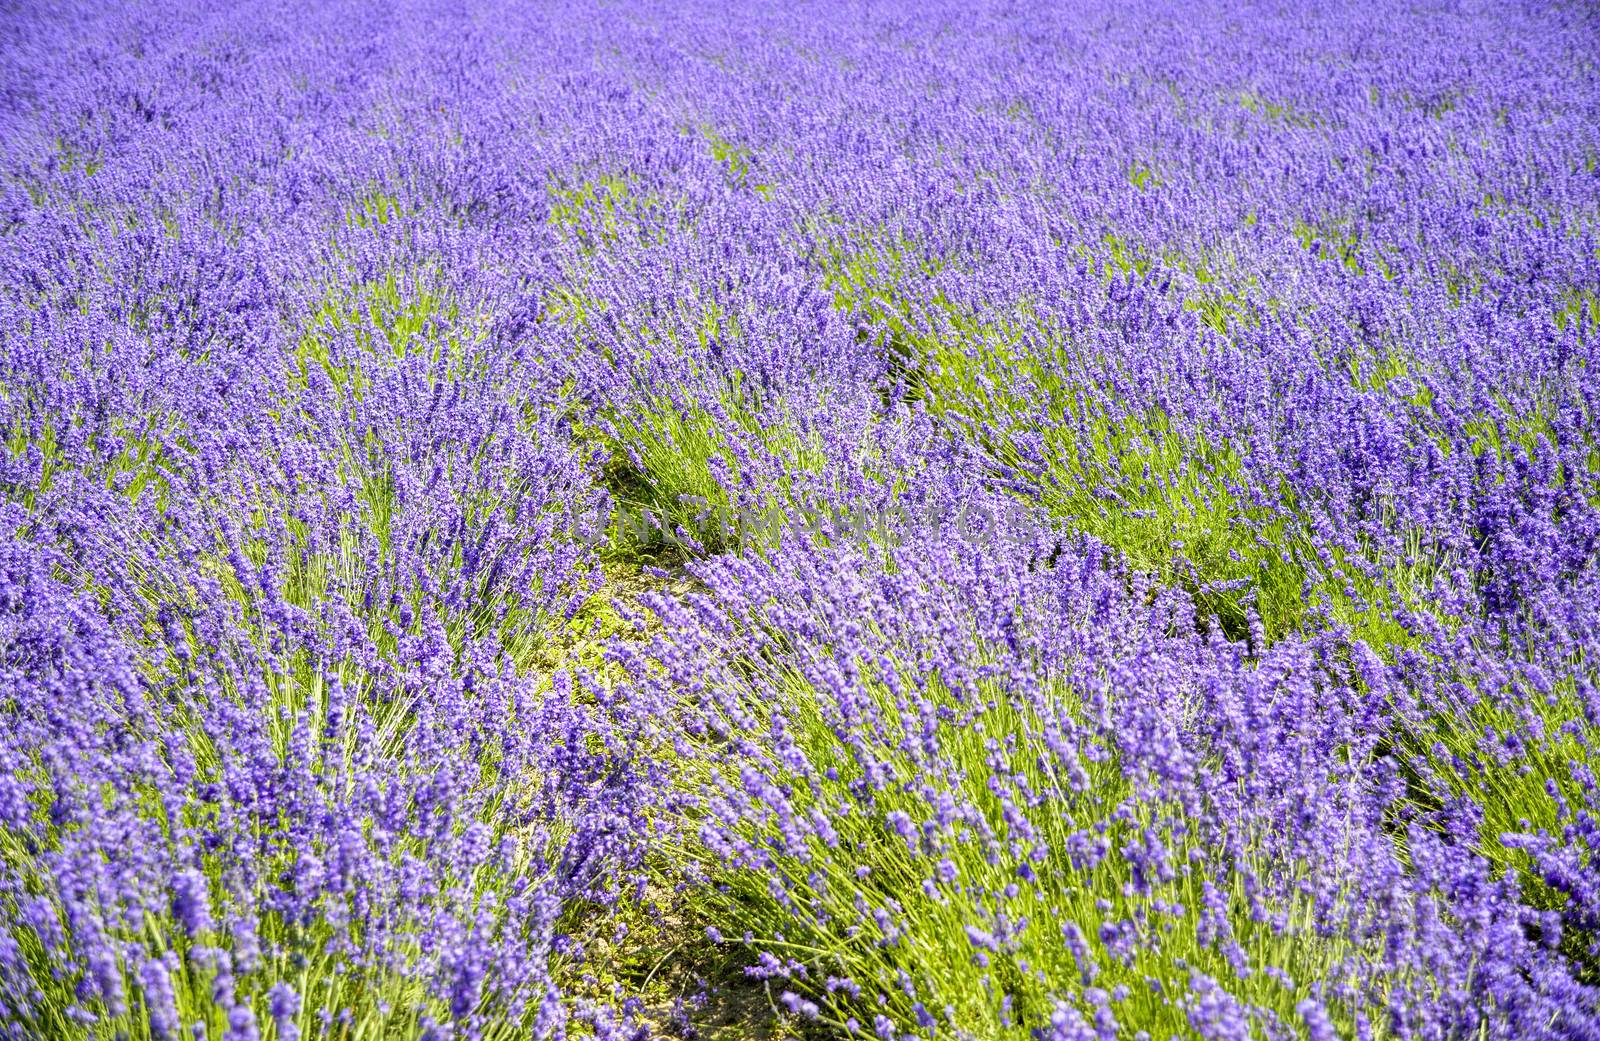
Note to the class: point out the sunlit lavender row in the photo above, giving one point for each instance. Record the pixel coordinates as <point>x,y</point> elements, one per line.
<point>1015,521</point>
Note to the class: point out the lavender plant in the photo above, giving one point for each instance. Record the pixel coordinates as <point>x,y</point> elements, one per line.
<point>991,794</point>
<point>1118,489</point>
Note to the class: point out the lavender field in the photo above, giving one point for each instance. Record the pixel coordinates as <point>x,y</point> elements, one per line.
<point>897,520</point>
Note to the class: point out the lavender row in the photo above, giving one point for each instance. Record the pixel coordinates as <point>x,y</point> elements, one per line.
<point>1139,466</point>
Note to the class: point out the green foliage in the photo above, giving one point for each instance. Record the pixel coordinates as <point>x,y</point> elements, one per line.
<point>1518,755</point>
<point>1176,502</point>
<point>1277,113</point>
<point>367,1003</point>
<point>596,211</point>
<point>1580,310</point>
<point>835,888</point>
<point>133,461</point>
<point>70,157</point>
<point>1333,241</point>
<point>1144,176</point>
<point>870,278</point>
<point>735,160</point>
<point>373,209</point>
<point>287,547</point>
<point>677,478</point>
<point>1220,306</point>
<point>389,318</point>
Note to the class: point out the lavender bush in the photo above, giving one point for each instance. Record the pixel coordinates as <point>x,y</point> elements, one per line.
<point>927,520</point>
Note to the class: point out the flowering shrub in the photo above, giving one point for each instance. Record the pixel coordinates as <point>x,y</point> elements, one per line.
<point>946,520</point>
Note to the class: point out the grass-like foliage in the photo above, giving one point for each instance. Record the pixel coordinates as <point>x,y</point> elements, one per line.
<point>1035,811</point>
<point>900,521</point>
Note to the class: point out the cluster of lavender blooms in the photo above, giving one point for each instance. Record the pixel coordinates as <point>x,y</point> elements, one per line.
<point>1138,468</point>
<point>945,791</point>
<point>291,508</point>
